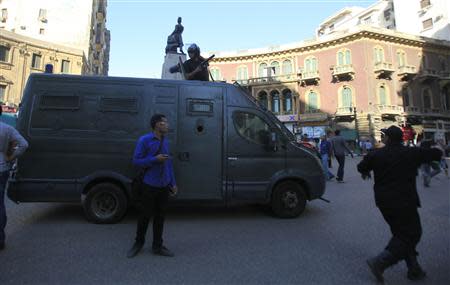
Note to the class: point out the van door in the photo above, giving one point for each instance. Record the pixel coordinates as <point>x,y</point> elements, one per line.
<point>198,155</point>
<point>252,160</point>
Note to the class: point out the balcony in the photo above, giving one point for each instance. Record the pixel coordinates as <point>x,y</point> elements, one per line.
<point>345,111</point>
<point>431,112</point>
<point>413,111</point>
<point>309,77</point>
<point>428,74</point>
<point>313,116</point>
<point>383,69</point>
<point>389,109</point>
<point>273,79</point>
<point>406,72</point>
<point>343,72</point>
<point>444,78</point>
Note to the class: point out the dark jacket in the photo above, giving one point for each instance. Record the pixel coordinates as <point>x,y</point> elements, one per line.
<point>395,171</point>
<point>190,65</point>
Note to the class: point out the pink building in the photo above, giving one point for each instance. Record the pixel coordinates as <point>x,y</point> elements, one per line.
<point>359,82</point>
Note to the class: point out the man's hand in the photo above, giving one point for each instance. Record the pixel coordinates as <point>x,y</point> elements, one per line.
<point>162,157</point>
<point>366,176</point>
<point>173,190</point>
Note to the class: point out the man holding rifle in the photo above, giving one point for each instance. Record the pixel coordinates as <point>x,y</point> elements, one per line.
<point>196,67</point>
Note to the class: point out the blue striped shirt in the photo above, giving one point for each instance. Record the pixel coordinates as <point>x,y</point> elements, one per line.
<point>157,174</point>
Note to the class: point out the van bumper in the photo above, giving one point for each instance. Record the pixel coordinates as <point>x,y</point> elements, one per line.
<point>43,190</point>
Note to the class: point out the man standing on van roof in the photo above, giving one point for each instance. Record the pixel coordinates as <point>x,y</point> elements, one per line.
<point>194,67</point>
<point>12,144</point>
<point>395,170</point>
<point>152,154</point>
<point>339,149</point>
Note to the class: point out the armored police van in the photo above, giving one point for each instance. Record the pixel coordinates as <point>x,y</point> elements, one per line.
<point>82,131</point>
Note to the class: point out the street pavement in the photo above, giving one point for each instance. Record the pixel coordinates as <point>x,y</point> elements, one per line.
<point>53,243</point>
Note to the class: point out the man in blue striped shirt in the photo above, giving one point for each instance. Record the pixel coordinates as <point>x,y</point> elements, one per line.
<point>152,154</point>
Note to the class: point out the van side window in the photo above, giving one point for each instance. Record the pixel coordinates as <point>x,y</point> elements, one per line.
<point>56,102</point>
<point>198,107</point>
<point>252,127</point>
<point>114,104</point>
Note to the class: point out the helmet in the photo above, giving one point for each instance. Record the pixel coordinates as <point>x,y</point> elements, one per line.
<point>194,49</point>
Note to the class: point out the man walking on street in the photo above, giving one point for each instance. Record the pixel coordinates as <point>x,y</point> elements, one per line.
<point>325,153</point>
<point>395,170</point>
<point>339,149</point>
<point>12,144</point>
<point>152,154</point>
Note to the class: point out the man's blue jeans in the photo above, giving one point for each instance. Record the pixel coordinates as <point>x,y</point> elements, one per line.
<point>3,179</point>
<point>328,174</point>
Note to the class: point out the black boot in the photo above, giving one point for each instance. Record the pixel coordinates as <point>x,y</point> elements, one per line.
<point>137,246</point>
<point>379,263</point>
<point>415,271</point>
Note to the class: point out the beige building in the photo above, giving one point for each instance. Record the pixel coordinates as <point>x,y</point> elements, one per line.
<point>79,24</point>
<point>20,56</point>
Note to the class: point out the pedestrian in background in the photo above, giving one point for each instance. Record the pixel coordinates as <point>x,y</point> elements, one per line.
<point>12,145</point>
<point>395,170</point>
<point>339,148</point>
<point>431,168</point>
<point>152,154</point>
<point>325,153</point>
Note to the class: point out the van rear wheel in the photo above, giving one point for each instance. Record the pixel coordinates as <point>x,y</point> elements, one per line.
<point>105,203</point>
<point>288,200</point>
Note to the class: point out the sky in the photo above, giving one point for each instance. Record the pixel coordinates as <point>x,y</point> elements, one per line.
<point>139,28</point>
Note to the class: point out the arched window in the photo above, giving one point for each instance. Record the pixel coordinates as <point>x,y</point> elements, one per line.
<point>312,101</point>
<point>215,72</point>
<point>401,58</point>
<point>427,99</point>
<point>310,64</point>
<point>275,101</point>
<point>275,68</point>
<point>346,97</point>
<point>406,94</point>
<point>378,54</point>
<point>382,97</point>
<point>446,94</point>
<point>423,61</point>
<point>242,73</point>
<point>262,98</point>
<point>287,67</point>
<point>287,101</point>
<point>344,57</point>
<point>262,70</point>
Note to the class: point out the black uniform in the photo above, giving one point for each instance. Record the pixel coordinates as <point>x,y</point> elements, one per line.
<point>191,64</point>
<point>395,170</point>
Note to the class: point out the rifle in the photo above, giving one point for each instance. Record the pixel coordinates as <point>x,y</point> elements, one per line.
<point>205,62</point>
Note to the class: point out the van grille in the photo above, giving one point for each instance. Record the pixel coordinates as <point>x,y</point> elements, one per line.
<point>59,102</point>
<point>118,105</point>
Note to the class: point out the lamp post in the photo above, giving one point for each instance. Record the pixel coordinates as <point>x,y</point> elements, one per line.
<point>356,129</point>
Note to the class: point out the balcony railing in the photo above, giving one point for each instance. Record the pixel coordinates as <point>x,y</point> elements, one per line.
<point>313,115</point>
<point>383,67</point>
<point>273,79</point>
<point>389,109</point>
<point>346,70</point>
<point>407,70</point>
<point>428,72</point>
<point>412,110</point>
<point>345,111</point>
<point>445,75</point>
<point>310,77</point>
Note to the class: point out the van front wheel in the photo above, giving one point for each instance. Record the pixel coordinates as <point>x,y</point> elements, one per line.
<point>105,203</point>
<point>288,200</point>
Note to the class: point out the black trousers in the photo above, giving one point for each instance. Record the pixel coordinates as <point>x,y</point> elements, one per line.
<point>153,204</point>
<point>341,161</point>
<point>406,230</point>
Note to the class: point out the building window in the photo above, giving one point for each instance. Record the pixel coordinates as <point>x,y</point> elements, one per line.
<point>4,54</point>
<point>427,99</point>
<point>65,64</point>
<point>424,3</point>
<point>262,98</point>
<point>382,96</point>
<point>4,15</point>
<point>378,54</point>
<point>401,58</point>
<point>262,70</point>
<point>275,66</point>
<point>406,97</point>
<point>242,74</point>
<point>344,57</point>
<point>2,93</point>
<point>36,61</point>
<point>252,127</point>
<point>310,64</point>
<point>215,73</point>
<point>427,24</point>
<point>312,102</point>
<point>287,67</point>
<point>347,100</point>
<point>287,101</point>
<point>367,21</point>
<point>275,101</point>
<point>423,61</point>
<point>42,15</point>
<point>41,31</point>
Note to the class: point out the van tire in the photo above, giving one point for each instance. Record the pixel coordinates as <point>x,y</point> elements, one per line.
<point>105,203</point>
<point>288,200</point>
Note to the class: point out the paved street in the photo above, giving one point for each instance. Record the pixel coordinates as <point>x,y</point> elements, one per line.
<point>328,244</point>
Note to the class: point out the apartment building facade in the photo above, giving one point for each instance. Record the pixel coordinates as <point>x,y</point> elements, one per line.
<point>359,82</point>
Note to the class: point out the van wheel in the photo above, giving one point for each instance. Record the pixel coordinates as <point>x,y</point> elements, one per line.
<point>288,200</point>
<point>105,203</point>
